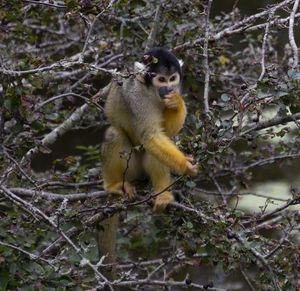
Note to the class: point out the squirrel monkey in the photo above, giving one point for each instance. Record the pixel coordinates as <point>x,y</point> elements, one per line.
<point>145,109</point>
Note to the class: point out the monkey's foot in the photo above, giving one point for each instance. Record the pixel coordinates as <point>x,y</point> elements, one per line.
<point>123,188</point>
<point>162,200</point>
<point>129,190</point>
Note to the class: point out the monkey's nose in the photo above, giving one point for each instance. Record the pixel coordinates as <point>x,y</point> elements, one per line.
<point>163,91</point>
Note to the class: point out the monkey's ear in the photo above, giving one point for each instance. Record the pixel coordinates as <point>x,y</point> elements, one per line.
<point>139,66</point>
<point>180,63</point>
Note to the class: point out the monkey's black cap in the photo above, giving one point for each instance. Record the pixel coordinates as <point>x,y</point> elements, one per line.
<point>160,60</point>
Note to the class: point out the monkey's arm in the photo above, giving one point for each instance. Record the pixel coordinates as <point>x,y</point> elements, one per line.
<point>174,113</point>
<point>160,146</point>
<point>147,122</point>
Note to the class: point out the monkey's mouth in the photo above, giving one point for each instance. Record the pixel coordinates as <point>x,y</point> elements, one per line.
<point>163,91</point>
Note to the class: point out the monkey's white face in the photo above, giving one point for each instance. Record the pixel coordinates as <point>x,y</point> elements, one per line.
<point>164,82</point>
<point>170,81</point>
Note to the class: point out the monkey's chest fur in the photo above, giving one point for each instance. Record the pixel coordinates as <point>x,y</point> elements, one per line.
<point>138,111</point>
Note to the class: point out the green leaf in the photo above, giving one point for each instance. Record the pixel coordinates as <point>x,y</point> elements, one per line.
<point>37,83</point>
<point>225,97</point>
<point>72,4</point>
<point>4,278</point>
<point>190,184</point>
<point>226,123</point>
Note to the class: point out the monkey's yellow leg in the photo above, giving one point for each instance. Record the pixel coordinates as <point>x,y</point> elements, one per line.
<point>114,166</point>
<point>174,113</point>
<point>160,178</point>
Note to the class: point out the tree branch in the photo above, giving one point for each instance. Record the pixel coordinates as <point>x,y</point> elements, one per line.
<point>291,35</point>
<point>272,122</point>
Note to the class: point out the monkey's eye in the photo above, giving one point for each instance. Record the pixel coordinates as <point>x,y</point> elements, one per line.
<point>162,79</point>
<point>173,78</point>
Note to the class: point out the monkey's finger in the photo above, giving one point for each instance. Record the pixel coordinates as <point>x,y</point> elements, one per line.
<point>190,159</point>
<point>171,103</point>
<point>192,170</point>
<point>131,196</point>
<point>173,94</point>
<point>130,190</point>
<point>170,97</point>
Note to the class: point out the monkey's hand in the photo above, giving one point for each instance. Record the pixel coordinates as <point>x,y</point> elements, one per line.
<point>172,100</point>
<point>162,200</point>
<point>191,169</point>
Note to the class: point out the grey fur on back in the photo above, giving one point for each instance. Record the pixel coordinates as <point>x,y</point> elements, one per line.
<point>139,104</point>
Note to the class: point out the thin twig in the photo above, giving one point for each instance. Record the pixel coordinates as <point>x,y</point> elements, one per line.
<point>30,255</point>
<point>246,277</point>
<point>182,284</point>
<point>291,35</point>
<point>89,35</point>
<point>269,160</point>
<point>61,6</point>
<point>86,99</point>
<point>292,202</point>
<point>276,22</point>
<point>91,29</point>
<point>58,197</point>
<point>278,120</point>
<point>152,35</point>
<point>17,165</point>
<point>281,242</point>
<point>205,53</point>
<point>264,46</point>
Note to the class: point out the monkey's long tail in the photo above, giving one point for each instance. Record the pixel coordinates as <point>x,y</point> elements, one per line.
<point>107,244</point>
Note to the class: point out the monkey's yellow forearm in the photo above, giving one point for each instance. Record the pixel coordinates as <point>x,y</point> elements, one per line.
<point>174,118</point>
<point>165,150</point>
